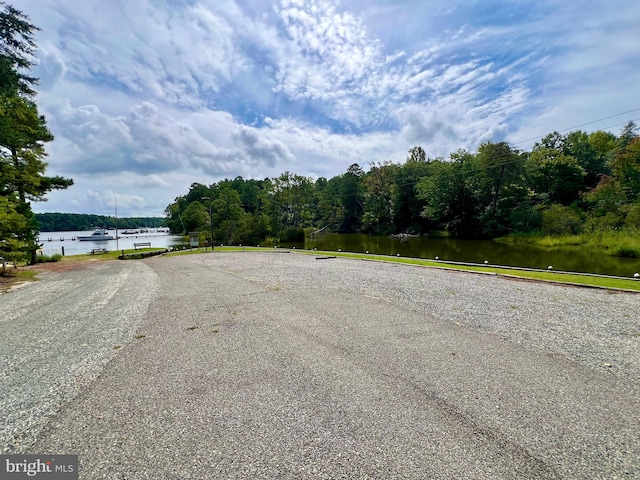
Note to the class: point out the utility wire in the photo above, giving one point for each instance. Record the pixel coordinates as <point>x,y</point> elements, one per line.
<point>585,124</point>
<point>509,159</point>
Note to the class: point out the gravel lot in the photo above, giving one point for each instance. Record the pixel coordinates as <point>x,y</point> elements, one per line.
<point>281,365</point>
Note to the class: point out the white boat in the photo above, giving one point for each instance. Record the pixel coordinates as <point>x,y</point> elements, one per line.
<point>130,232</point>
<point>99,234</point>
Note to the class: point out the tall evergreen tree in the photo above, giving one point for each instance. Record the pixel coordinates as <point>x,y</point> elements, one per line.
<point>23,134</point>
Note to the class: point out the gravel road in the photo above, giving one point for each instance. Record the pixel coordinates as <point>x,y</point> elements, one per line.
<point>281,365</point>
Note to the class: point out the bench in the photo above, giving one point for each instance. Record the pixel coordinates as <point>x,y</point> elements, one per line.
<point>141,244</point>
<point>96,251</point>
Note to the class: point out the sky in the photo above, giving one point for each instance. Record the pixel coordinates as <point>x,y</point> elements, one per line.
<point>147,97</point>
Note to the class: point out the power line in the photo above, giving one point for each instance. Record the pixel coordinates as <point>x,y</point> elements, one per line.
<point>584,124</point>
<point>517,158</point>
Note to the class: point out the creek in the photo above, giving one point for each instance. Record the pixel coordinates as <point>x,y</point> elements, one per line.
<point>571,259</point>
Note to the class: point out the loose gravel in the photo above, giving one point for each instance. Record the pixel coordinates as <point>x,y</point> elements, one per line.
<point>279,365</point>
<point>57,335</point>
<point>596,327</point>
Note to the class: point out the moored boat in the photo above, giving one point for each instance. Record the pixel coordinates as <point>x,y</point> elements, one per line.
<point>99,234</point>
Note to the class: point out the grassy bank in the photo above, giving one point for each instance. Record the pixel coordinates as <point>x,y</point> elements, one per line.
<point>23,274</point>
<point>617,243</point>
<point>540,275</point>
<point>568,278</point>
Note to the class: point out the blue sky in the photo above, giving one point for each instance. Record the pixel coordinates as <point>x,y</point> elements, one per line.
<point>146,97</point>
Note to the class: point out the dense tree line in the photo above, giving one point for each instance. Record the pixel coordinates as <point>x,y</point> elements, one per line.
<point>59,222</point>
<point>566,184</point>
<point>23,135</point>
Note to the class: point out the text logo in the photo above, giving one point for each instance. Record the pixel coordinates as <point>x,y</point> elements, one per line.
<point>46,467</point>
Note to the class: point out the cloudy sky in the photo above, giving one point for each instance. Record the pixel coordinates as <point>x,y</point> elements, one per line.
<point>146,97</point>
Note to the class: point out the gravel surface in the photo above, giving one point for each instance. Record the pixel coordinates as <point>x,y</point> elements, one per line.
<point>279,365</point>
<point>57,335</point>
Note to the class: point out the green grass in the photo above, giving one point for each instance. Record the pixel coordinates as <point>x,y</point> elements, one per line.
<point>111,255</point>
<point>15,276</point>
<point>619,243</point>
<point>196,251</point>
<point>56,257</point>
<point>568,278</point>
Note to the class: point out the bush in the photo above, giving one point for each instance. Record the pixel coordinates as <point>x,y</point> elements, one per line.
<point>56,257</point>
<point>633,216</point>
<point>626,252</point>
<point>560,220</point>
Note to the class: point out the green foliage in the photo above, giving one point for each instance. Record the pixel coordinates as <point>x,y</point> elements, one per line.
<point>555,175</point>
<point>56,257</point>
<point>57,222</point>
<point>292,235</point>
<point>23,134</point>
<point>632,219</point>
<point>451,198</point>
<point>626,251</point>
<point>560,220</point>
<point>626,168</point>
<point>17,48</point>
<point>568,184</point>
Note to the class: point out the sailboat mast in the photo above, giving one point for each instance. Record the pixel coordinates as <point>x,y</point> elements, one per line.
<point>115,201</point>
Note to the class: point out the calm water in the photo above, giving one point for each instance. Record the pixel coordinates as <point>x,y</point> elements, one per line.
<point>54,242</point>
<point>573,259</point>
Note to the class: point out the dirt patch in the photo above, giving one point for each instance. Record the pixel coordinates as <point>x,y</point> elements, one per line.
<point>13,279</point>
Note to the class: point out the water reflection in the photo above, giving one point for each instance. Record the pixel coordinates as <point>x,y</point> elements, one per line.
<point>573,259</point>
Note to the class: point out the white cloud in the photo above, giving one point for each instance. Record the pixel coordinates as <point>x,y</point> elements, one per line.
<point>146,97</point>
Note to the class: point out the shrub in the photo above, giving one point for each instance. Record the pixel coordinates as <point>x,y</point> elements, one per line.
<point>56,257</point>
<point>560,220</point>
<point>626,252</point>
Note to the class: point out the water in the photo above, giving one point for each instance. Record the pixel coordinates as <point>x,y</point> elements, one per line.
<point>571,259</point>
<point>54,242</point>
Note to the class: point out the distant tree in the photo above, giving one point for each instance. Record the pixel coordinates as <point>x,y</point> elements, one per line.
<point>227,214</point>
<point>451,201</point>
<point>195,217</point>
<point>406,204</point>
<point>628,133</point>
<point>555,175</point>
<point>351,196</point>
<point>582,146</point>
<point>500,185</point>
<point>378,190</point>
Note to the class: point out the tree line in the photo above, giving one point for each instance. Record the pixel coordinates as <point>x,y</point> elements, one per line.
<point>60,222</point>
<point>23,135</point>
<point>566,184</point>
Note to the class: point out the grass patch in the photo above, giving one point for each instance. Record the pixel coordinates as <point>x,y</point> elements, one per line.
<point>570,278</point>
<point>56,257</point>
<point>196,251</point>
<point>12,277</point>
<point>618,243</point>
